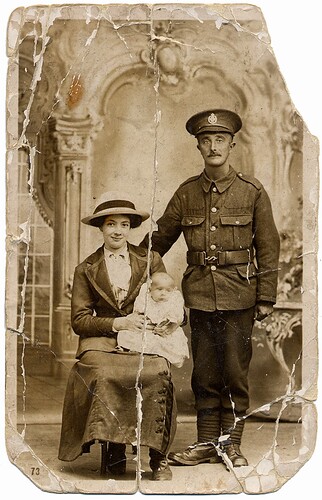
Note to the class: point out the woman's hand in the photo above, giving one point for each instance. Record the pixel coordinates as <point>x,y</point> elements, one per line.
<point>133,321</point>
<point>165,328</point>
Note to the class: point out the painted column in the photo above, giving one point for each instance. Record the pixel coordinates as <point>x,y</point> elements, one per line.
<point>72,139</point>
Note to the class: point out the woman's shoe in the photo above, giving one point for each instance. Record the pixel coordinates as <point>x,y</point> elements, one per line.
<point>161,471</point>
<point>159,466</point>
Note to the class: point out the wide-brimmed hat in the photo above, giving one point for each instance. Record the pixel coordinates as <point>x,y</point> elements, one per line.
<point>113,203</point>
<point>214,120</point>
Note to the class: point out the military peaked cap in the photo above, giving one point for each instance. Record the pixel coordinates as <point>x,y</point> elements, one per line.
<point>214,120</point>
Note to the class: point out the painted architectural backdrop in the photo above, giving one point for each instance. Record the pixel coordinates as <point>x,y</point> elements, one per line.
<point>102,106</point>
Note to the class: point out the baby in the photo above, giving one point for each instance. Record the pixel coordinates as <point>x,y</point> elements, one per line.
<point>162,304</point>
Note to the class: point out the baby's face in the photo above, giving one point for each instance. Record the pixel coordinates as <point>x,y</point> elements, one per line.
<point>161,288</point>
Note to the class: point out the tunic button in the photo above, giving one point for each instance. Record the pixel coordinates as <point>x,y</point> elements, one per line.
<point>214,209</point>
<point>213,268</point>
<point>214,189</point>
<point>213,228</point>
<point>213,247</point>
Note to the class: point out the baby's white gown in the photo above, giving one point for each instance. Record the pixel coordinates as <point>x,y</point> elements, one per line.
<point>174,346</point>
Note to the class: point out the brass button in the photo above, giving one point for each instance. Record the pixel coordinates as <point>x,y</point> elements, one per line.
<point>213,247</point>
<point>213,268</point>
<point>214,210</point>
<point>214,189</point>
<point>213,228</point>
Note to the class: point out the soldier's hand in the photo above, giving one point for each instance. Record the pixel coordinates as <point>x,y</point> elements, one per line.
<point>262,310</point>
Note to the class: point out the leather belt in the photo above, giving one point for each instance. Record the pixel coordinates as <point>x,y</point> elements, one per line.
<point>224,258</point>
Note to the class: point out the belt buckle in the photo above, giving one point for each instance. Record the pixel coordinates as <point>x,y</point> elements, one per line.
<point>210,259</point>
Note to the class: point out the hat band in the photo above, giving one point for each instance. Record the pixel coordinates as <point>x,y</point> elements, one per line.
<point>114,204</point>
<point>215,125</point>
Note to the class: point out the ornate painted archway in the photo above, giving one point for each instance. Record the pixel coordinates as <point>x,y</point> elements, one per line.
<point>105,89</point>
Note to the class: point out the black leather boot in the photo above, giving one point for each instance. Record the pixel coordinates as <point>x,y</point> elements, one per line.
<point>235,455</point>
<point>233,427</point>
<point>198,453</point>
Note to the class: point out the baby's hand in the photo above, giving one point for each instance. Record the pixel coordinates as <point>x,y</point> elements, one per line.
<point>165,328</point>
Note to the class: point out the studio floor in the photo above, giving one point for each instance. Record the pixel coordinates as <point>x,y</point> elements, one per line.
<point>36,439</point>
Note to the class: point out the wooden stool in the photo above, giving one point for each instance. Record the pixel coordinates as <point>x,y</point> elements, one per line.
<point>103,458</point>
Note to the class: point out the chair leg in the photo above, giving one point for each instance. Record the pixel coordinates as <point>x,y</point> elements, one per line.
<point>103,458</point>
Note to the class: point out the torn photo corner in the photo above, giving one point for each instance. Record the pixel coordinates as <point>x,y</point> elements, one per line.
<point>161,287</point>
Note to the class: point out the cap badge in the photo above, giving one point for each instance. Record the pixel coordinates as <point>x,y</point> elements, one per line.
<point>212,119</point>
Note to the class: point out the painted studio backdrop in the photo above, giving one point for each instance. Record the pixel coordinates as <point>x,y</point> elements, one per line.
<point>102,105</point>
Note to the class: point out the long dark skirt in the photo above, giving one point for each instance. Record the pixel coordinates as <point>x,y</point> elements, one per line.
<point>103,402</point>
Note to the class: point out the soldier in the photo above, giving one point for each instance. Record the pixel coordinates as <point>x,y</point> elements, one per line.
<point>230,281</point>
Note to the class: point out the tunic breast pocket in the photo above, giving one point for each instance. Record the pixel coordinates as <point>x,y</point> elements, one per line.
<point>239,230</point>
<point>194,231</point>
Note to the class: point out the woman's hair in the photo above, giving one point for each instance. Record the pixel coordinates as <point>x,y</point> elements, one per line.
<point>135,220</point>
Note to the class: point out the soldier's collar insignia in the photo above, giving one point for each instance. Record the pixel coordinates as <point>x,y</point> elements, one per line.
<point>212,119</point>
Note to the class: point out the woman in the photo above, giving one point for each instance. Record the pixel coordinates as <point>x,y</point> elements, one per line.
<point>101,402</point>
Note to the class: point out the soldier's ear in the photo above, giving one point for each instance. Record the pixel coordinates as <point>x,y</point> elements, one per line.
<point>232,144</point>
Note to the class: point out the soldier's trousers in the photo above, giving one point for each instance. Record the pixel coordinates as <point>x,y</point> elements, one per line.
<point>222,351</point>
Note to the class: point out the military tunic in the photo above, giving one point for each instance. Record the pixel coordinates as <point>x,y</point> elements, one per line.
<point>229,214</point>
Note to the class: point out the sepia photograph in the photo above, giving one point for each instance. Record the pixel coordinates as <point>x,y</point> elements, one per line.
<point>161,252</point>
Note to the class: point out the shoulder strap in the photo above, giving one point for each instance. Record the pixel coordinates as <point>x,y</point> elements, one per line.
<point>251,180</point>
<point>190,179</point>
